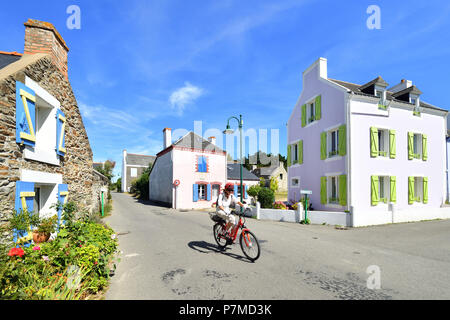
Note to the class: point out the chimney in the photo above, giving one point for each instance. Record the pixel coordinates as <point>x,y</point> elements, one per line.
<point>42,37</point>
<point>212,140</point>
<point>167,137</point>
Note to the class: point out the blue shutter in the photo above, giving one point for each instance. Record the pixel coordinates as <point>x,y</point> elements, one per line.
<point>236,190</point>
<point>63,194</point>
<point>25,115</point>
<point>60,133</point>
<point>195,191</point>
<point>202,164</point>
<point>208,192</point>
<point>24,201</point>
<point>245,191</point>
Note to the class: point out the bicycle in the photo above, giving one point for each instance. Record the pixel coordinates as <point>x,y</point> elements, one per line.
<point>247,240</point>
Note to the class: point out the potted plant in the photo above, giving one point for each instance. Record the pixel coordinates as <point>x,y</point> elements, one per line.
<point>45,228</point>
<point>22,222</point>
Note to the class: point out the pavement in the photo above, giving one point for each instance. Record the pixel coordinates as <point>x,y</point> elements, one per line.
<point>171,255</point>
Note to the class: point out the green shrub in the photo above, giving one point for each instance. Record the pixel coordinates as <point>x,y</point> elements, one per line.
<point>266,198</point>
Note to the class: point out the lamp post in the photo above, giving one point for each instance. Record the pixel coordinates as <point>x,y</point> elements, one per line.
<point>228,130</point>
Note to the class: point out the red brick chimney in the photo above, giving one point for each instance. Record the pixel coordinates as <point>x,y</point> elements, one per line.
<point>42,37</point>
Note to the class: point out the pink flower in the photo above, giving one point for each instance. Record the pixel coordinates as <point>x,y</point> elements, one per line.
<point>36,248</point>
<point>45,258</point>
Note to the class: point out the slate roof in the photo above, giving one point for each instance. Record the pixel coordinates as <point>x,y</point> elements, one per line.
<point>234,172</point>
<point>192,140</point>
<point>139,159</point>
<point>265,171</point>
<point>6,58</point>
<point>356,89</point>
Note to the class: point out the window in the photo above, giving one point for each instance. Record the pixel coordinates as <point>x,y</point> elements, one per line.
<point>133,172</point>
<point>281,176</point>
<point>384,188</point>
<point>334,143</point>
<point>202,192</point>
<point>295,182</point>
<point>383,143</point>
<point>333,190</point>
<point>417,143</point>
<point>215,191</point>
<point>295,153</point>
<point>310,112</point>
<point>202,164</point>
<point>418,189</point>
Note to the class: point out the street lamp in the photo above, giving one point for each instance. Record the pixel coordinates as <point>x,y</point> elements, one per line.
<point>228,130</point>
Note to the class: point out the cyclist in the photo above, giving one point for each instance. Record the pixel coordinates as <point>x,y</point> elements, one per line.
<point>224,202</point>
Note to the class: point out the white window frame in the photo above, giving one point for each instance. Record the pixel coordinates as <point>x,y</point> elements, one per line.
<point>311,114</point>
<point>418,189</point>
<point>330,142</point>
<point>384,184</point>
<point>417,145</point>
<point>133,170</point>
<point>295,152</point>
<point>44,151</point>
<point>382,96</point>
<point>384,142</point>
<point>330,189</point>
<point>200,187</point>
<point>298,182</point>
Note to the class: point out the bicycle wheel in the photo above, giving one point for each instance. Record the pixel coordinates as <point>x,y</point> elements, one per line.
<point>249,245</point>
<point>219,235</point>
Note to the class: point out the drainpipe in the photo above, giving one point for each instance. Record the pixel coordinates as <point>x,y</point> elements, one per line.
<point>349,96</point>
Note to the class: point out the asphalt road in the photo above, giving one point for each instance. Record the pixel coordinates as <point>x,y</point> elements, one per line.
<point>168,254</point>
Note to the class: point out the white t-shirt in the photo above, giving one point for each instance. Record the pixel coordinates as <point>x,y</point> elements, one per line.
<point>226,202</point>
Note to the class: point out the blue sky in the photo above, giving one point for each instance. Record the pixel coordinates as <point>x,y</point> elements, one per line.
<point>139,66</point>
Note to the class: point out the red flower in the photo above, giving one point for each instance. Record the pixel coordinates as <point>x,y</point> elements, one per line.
<point>95,263</point>
<point>16,252</point>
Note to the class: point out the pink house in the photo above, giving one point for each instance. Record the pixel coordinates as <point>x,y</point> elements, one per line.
<point>189,173</point>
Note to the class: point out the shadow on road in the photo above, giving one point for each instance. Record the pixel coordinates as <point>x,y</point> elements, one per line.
<point>205,247</point>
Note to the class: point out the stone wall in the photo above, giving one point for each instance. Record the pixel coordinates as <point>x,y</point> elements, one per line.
<point>76,166</point>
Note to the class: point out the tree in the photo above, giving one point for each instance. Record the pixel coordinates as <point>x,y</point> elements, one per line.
<point>107,169</point>
<point>274,184</point>
<point>253,191</point>
<point>266,198</point>
<point>262,182</point>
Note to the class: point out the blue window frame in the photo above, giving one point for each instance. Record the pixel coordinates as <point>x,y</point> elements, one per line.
<point>202,164</point>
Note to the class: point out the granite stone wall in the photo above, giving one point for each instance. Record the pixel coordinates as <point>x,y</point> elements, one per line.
<point>76,167</point>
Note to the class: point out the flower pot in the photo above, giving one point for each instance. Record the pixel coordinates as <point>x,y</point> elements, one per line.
<point>40,237</point>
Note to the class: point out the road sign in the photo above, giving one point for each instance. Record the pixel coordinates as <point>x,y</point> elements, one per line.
<point>305,191</point>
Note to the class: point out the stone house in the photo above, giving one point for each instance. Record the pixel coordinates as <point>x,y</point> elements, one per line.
<point>45,155</point>
<point>133,165</point>
<point>274,171</point>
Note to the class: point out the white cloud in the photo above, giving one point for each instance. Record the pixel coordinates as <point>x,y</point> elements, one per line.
<point>184,96</point>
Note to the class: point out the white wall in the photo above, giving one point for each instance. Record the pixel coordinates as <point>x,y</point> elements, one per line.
<point>161,179</point>
<point>365,115</point>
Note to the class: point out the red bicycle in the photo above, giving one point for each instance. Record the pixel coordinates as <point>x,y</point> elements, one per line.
<point>247,240</point>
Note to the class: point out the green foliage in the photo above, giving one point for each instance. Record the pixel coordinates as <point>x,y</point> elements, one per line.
<point>107,169</point>
<point>274,184</point>
<point>140,186</point>
<point>253,191</point>
<point>266,198</point>
<point>22,221</point>
<point>48,225</point>
<point>262,182</point>
<point>118,185</point>
<point>279,205</point>
<point>307,221</point>
<point>45,271</point>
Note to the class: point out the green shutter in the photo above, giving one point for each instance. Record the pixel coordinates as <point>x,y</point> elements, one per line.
<point>323,145</point>
<point>410,190</point>
<point>425,190</point>
<point>300,152</point>
<point>303,115</point>
<point>318,107</point>
<point>375,196</point>
<point>424,148</point>
<point>392,151</point>
<point>323,190</point>
<point>393,189</point>
<point>289,156</point>
<point>343,190</point>
<point>342,141</point>
<point>373,142</point>
<point>410,145</point>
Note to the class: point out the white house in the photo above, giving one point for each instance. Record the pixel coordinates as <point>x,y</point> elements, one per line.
<point>189,173</point>
<point>377,153</point>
